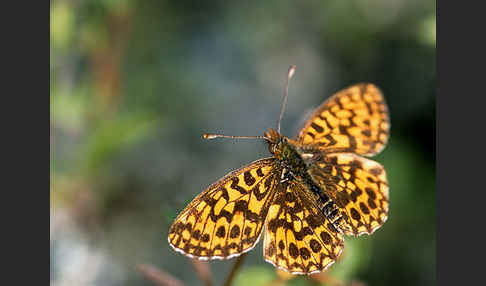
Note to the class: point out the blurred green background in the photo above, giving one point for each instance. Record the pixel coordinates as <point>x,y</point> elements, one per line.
<point>134,84</point>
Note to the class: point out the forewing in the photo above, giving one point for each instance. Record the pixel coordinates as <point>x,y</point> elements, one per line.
<point>354,119</point>
<point>227,218</point>
<point>358,186</point>
<point>298,238</point>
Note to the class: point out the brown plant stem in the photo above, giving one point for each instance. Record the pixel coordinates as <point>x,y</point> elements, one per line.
<point>157,276</point>
<point>203,271</point>
<point>236,266</point>
<point>324,277</point>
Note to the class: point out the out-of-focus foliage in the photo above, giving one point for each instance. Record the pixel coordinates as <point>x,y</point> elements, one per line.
<point>134,84</point>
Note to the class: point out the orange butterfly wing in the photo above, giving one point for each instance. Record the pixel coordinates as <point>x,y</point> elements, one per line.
<point>227,218</point>
<point>354,119</point>
<point>298,237</point>
<point>358,186</point>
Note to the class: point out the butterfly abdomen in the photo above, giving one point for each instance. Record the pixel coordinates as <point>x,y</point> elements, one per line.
<point>297,168</point>
<point>327,206</point>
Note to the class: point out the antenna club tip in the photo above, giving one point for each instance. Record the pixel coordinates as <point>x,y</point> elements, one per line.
<point>291,71</point>
<point>207,136</point>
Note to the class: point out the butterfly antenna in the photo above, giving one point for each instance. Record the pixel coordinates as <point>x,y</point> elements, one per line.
<point>286,93</point>
<point>209,136</point>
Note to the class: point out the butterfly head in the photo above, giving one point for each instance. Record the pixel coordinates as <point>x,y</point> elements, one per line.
<point>276,141</point>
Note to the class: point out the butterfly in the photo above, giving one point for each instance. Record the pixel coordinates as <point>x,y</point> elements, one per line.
<point>312,191</point>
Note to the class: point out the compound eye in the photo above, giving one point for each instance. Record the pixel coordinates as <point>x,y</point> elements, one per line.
<point>272,148</point>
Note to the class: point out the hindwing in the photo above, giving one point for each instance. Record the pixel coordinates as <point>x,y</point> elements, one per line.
<point>298,237</point>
